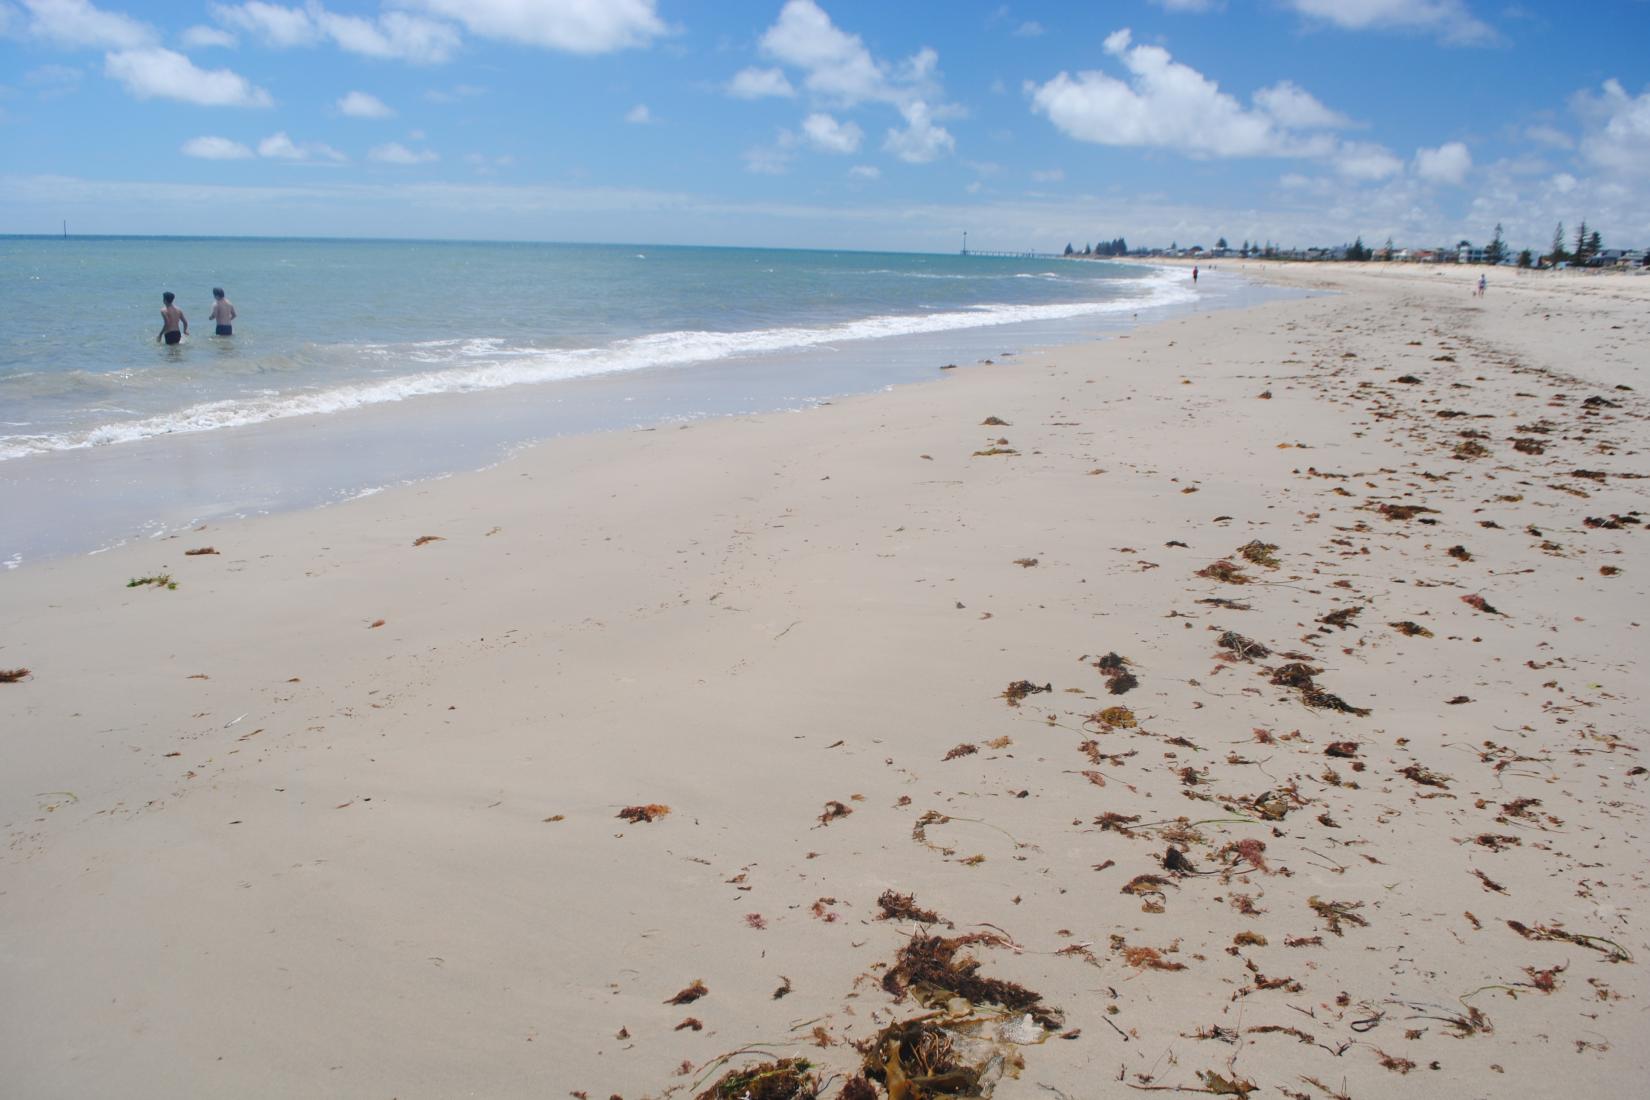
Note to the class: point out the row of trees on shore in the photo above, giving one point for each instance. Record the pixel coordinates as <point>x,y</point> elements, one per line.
<point>1587,247</point>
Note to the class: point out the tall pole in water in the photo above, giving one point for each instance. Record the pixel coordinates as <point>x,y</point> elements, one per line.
<point>965,242</point>
<point>65,228</point>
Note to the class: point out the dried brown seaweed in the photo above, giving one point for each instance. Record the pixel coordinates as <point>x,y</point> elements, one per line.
<point>1019,689</point>
<point>1225,571</point>
<point>1245,649</point>
<point>14,675</point>
<point>638,814</point>
<point>1334,913</point>
<point>898,906</point>
<point>1260,553</point>
<point>786,1079</point>
<point>1410,630</point>
<point>689,993</point>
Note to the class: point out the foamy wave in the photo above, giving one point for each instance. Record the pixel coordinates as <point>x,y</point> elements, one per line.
<point>479,364</point>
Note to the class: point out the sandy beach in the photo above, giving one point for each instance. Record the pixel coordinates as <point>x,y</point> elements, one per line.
<point>1253,692</point>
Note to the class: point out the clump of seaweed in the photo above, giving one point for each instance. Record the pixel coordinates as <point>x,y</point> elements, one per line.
<point>199,550</point>
<point>1019,689</point>
<point>1226,571</point>
<point>1260,553</point>
<point>1113,718</point>
<point>689,993</point>
<point>1025,563</point>
<point>1142,957</point>
<point>1341,619</point>
<point>159,580</point>
<point>964,749</point>
<point>989,451</point>
<point>1116,671</point>
<point>424,540</point>
<point>1469,449</point>
<point>1425,776</point>
<point>1299,675</point>
<point>1245,649</point>
<point>1479,603</point>
<point>995,422</point>
<point>1335,913</point>
<point>1612,951</point>
<point>653,811</point>
<point>14,675</point>
<point>924,1059</point>
<point>834,810</point>
<point>1410,629</point>
<point>1403,511</point>
<point>939,965</point>
<point>786,1079</point>
<point>898,906</point>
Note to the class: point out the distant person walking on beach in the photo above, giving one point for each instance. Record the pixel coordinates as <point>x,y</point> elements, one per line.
<point>174,326</point>
<point>223,312</point>
<point>1482,283</point>
<point>1194,273</point>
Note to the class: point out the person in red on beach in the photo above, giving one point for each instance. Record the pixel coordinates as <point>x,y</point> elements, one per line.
<point>1194,273</point>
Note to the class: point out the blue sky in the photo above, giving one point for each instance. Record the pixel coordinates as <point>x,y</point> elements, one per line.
<point>829,123</point>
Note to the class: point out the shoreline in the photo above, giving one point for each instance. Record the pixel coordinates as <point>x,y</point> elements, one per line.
<point>337,814</point>
<point>88,499</point>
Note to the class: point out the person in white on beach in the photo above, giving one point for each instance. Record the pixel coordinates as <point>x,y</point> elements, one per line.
<point>223,313</point>
<point>1482,283</point>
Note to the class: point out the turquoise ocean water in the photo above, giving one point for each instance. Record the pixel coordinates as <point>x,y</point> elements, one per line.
<point>387,361</point>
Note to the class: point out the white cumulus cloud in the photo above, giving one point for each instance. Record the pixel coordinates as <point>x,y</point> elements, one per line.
<point>215,148</point>
<point>156,73</point>
<point>269,24</point>
<point>1170,104</point>
<point>1450,19</point>
<point>639,115</point>
<point>394,35</point>
<point>754,83</point>
<point>837,65</point>
<point>576,26</point>
<point>1294,107</point>
<point>279,146</point>
<point>1361,160</point>
<point>363,105</point>
<point>396,153</point>
<point>828,135</point>
<point>79,23</point>
<point>204,38</point>
<point>919,141</point>
<point>1449,163</point>
<point>1618,136</point>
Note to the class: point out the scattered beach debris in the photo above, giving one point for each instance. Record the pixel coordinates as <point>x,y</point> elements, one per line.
<point>14,675</point>
<point>834,810</point>
<point>1481,604</point>
<point>1300,676</point>
<point>198,551</point>
<point>995,422</point>
<point>964,749</point>
<point>1341,619</point>
<point>1410,629</point>
<point>636,815</point>
<point>1334,913</point>
<point>159,580</point>
<point>423,540</point>
<point>1025,563</point>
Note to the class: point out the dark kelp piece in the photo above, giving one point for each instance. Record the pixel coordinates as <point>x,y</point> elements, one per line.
<point>941,964</point>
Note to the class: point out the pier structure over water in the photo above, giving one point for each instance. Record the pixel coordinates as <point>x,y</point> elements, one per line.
<point>966,251</point>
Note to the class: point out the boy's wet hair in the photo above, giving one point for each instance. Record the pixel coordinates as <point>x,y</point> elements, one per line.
<point>217,292</point>
<point>167,297</point>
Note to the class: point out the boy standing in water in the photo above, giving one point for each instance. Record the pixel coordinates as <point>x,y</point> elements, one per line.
<point>223,312</point>
<point>171,318</point>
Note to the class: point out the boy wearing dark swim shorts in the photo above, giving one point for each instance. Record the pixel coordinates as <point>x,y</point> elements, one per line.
<point>223,312</point>
<point>174,326</point>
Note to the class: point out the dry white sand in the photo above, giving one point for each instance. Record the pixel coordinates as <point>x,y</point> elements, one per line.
<point>336,816</point>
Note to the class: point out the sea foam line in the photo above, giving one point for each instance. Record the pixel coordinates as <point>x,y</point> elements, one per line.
<point>488,365</point>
